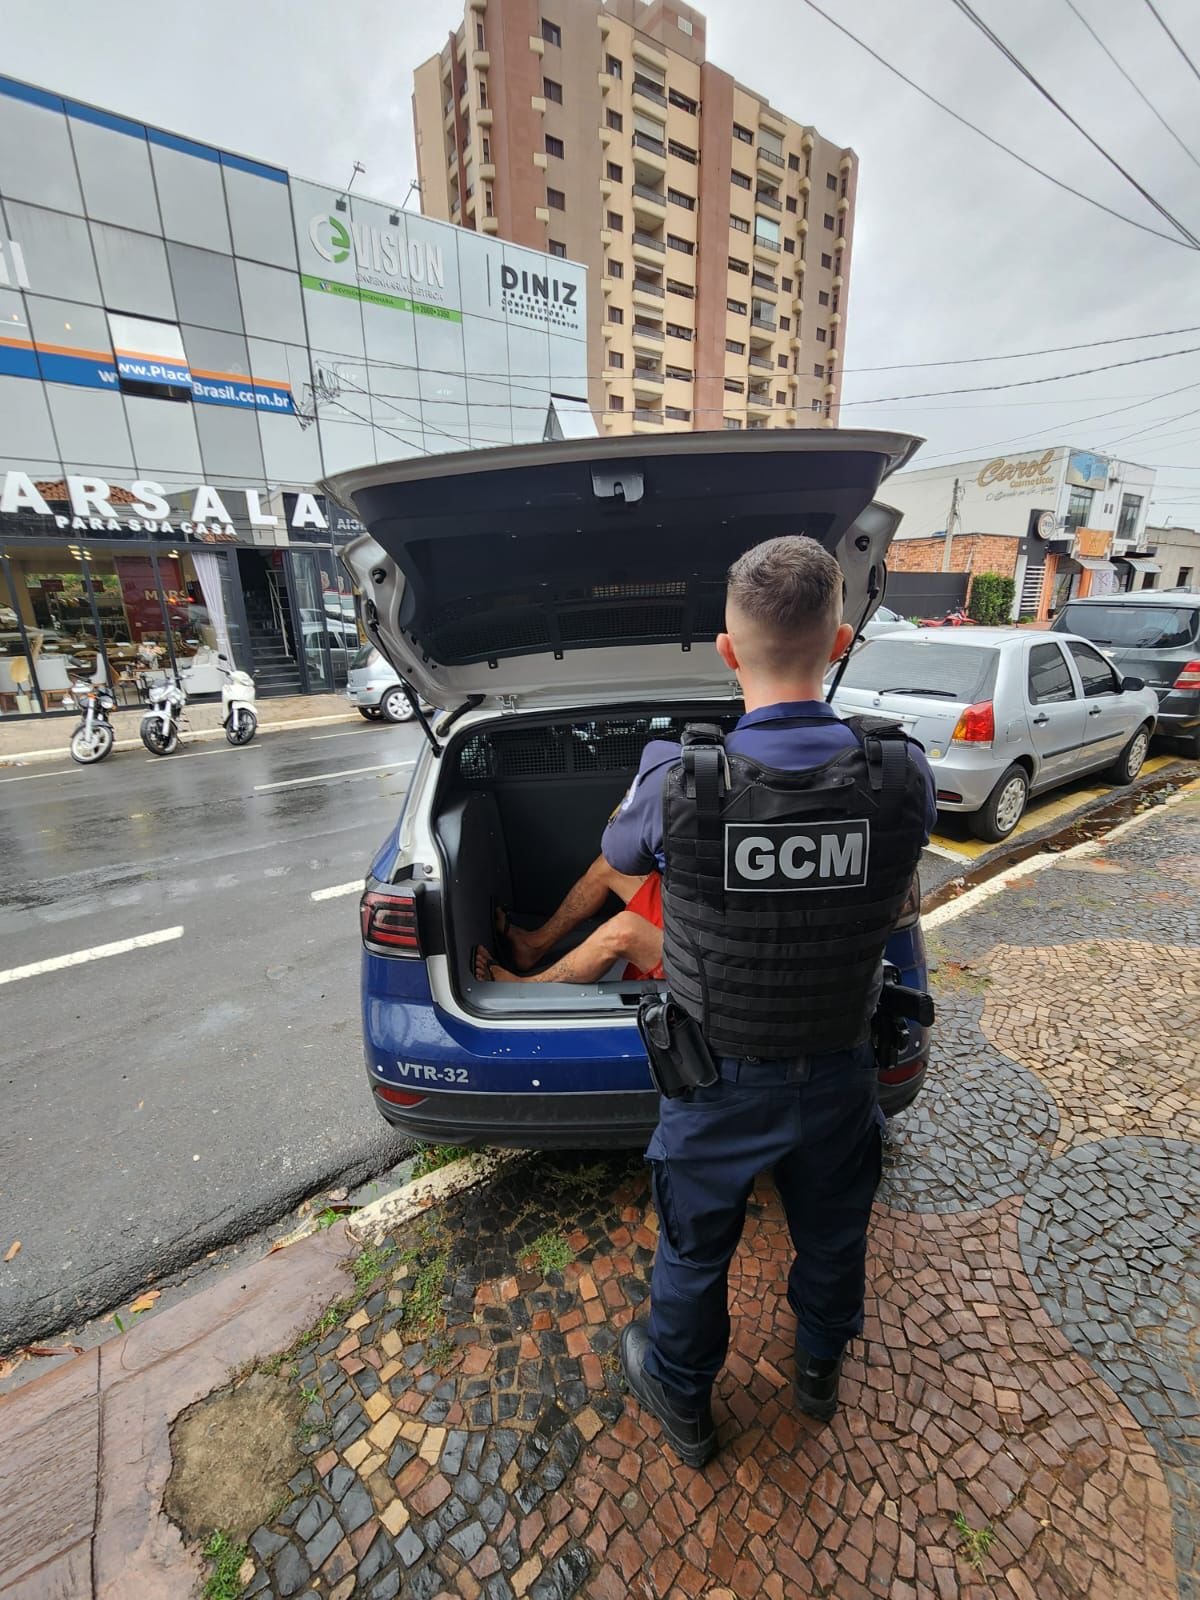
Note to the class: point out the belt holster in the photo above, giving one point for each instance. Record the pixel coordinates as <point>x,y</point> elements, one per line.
<point>678,1053</point>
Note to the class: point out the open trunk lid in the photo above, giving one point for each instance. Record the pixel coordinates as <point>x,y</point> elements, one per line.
<point>585,566</point>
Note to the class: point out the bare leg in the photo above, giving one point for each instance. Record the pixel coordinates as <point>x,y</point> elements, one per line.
<point>584,899</point>
<point>625,937</point>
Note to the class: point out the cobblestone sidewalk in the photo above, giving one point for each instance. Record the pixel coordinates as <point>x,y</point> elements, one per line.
<point>1019,1419</point>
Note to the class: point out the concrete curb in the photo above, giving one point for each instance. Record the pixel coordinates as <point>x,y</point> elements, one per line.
<point>372,1223</point>
<point>192,736</point>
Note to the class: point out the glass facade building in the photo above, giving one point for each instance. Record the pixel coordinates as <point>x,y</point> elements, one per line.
<point>189,341</point>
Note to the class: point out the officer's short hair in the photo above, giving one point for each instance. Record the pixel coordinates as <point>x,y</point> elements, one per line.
<point>790,589</point>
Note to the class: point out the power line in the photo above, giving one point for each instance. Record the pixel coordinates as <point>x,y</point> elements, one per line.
<point>1150,6</point>
<point>1024,383</point>
<point>1020,355</point>
<point>998,144</point>
<point>1020,66</point>
<point>1146,101</point>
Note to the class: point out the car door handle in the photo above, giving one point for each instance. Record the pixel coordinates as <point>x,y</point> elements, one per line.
<point>1095,711</point>
<point>1040,722</point>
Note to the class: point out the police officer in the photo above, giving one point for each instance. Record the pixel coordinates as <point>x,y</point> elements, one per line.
<point>787,851</point>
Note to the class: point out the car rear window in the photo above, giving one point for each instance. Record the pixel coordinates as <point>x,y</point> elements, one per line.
<point>1132,627</point>
<point>949,671</point>
<point>365,656</point>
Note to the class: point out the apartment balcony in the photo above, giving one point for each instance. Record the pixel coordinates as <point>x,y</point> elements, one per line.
<point>649,203</point>
<point>541,159</point>
<point>838,280</point>
<point>649,156</point>
<point>773,120</point>
<point>768,161</point>
<point>758,405</point>
<point>647,248</point>
<point>477,5</point>
<point>760,280</point>
<point>795,342</point>
<point>763,197</point>
<point>806,184</point>
<point>481,60</point>
<point>606,81</point>
<point>763,330</point>
<point>843,204</point>
<point>607,136</point>
<point>807,142</point>
<point>647,381</point>
<point>487,170</point>
<point>646,91</point>
<point>653,55</point>
<point>767,249</point>
<point>484,117</point>
<point>489,225</point>
<point>646,336</point>
<point>542,213</point>
<point>764,362</point>
<point>650,295</point>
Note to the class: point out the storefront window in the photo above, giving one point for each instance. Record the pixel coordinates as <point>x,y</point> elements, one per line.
<point>317,629</point>
<point>18,695</point>
<point>51,594</point>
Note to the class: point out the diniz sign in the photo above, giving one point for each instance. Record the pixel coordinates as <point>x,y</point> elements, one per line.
<point>378,250</point>
<point>538,285</point>
<point>12,266</point>
<point>1018,476</point>
<point>92,510</point>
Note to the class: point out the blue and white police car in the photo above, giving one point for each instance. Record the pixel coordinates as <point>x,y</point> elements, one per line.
<point>559,602</point>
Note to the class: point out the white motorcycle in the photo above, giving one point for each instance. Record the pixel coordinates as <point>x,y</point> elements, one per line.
<point>237,701</point>
<point>160,725</point>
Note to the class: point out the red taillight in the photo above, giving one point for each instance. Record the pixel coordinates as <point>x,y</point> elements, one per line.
<point>389,923</point>
<point>399,1097</point>
<point>1189,678</point>
<point>977,725</point>
<point>901,1074</point>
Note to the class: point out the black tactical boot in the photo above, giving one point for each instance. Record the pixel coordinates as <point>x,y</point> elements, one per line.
<point>688,1425</point>
<point>817,1383</point>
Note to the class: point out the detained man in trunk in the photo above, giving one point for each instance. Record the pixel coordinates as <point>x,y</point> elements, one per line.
<point>796,1087</point>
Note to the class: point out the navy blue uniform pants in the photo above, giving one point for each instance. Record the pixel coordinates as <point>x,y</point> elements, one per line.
<point>815,1123</point>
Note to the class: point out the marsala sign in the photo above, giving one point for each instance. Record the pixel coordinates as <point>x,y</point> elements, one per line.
<point>1026,473</point>
<point>205,514</point>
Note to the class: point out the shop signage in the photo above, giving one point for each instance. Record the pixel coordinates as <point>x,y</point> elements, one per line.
<point>12,261</point>
<point>1087,471</point>
<point>205,514</point>
<point>537,297</point>
<point>1006,476</point>
<point>378,250</point>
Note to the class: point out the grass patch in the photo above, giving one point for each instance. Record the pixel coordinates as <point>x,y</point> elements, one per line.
<point>432,1156</point>
<point>423,1302</point>
<point>225,1559</point>
<point>973,1543</point>
<point>310,1394</point>
<point>551,1251</point>
<point>371,1264</point>
<point>439,1353</point>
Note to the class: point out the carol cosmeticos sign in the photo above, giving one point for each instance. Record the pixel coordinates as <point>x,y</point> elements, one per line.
<point>1007,476</point>
<point>86,505</point>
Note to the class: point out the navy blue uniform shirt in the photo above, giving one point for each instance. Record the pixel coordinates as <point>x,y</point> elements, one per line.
<point>633,839</point>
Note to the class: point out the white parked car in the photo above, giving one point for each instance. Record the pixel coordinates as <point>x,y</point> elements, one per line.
<point>374,687</point>
<point>1003,713</point>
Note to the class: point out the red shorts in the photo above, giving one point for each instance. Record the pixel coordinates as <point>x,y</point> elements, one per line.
<point>647,904</point>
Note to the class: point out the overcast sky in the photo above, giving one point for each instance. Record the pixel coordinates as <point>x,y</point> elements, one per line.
<point>959,251</point>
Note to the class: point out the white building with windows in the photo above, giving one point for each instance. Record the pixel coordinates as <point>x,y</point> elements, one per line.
<point>1060,521</point>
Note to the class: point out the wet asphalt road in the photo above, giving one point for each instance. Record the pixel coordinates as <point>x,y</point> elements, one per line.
<point>159,1102</point>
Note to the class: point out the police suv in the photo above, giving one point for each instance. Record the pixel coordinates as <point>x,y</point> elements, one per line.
<point>560,601</point>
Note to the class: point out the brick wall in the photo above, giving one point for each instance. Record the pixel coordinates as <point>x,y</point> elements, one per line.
<point>969,552</point>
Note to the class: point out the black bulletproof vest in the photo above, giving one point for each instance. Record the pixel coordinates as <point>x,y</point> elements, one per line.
<point>781,888</point>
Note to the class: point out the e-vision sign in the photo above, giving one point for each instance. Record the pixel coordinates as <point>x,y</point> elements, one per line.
<point>389,269</point>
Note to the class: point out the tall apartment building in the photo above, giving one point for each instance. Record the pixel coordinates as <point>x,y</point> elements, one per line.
<point>719,230</point>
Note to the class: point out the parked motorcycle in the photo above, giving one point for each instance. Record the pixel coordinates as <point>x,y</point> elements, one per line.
<point>237,701</point>
<point>959,617</point>
<point>94,737</point>
<point>160,725</point>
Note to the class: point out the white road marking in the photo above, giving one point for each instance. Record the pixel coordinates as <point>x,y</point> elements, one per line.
<point>354,887</point>
<point>950,855</point>
<point>349,734</point>
<point>324,777</point>
<point>186,755</point>
<point>97,953</point>
<point>59,772</point>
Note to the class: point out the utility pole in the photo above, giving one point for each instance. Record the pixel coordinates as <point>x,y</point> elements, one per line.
<point>952,518</point>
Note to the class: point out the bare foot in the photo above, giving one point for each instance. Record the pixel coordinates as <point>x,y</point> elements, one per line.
<point>522,946</point>
<point>487,969</point>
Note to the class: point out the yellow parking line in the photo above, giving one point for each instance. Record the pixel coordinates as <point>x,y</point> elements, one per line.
<point>1041,811</point>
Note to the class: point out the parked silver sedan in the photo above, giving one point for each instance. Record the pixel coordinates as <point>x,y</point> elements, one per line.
<point>1003,713</point>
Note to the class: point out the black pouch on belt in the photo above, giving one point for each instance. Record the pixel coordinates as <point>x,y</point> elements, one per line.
<point>679,1055</point>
